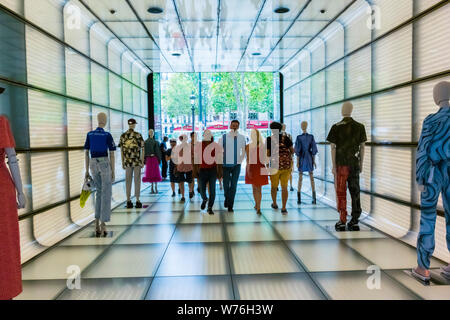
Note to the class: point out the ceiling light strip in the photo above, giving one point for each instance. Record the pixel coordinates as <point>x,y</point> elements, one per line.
<point>286,32</point>
<point>218,31</point>
<point>114,34</point>
<point>184,35</point>
<point>148,33</point>
<point>251,33</point>
<point>317,35</point>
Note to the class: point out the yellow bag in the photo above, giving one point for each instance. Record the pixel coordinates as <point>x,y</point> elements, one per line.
<point>88,188</point>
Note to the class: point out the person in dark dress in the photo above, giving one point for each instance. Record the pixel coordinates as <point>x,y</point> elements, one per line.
<point>173,178</point>
<point>163,148</point>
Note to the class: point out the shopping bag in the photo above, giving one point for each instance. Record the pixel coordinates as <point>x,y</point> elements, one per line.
<point>88,188</point>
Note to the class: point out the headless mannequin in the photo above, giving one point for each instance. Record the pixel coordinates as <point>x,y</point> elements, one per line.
<point>102,119</point>
<point>425,242</point>
<point>304,126</point>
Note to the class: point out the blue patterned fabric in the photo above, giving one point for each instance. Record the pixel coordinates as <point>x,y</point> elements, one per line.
<point>432,171</point>
<point>305,148</point>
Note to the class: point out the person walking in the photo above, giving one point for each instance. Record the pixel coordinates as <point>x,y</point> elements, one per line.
<point>306,150</point>
<point>182,157</point>
<point>163,149</point>
<point>195,167</point>
<point>233,145</point>
<point>280,150</point>
<point>208,154</point>
<point>256,173</point>
<point>172,175</point>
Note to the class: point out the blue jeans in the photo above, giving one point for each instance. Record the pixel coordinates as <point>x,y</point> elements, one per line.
<point>230,180</point>
<point>101,174</point>
<point>208,176</point>
<point>429,200</point>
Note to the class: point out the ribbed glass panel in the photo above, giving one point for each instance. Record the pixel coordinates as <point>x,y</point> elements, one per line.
<point>358,73</point>
<point>46,14</point>
<point>288,101</point>
<point>82,216</point>
<point>318,94</point>
<point>114,56</point>
<point>136,100</point>
<point>136,74</point>
<point>116,125</point>
<point>76,32</point>
<point>14,5</point>
<point>335,82</point>
<point>389,217</point>
<point>392,13</point>
<point>77,76</point>
<point>118,193</point>
<point>76,172</point>
<point>144,102</point>
<point>392,172</point>
<point>126,66</point>
<point>362,114</point>
<point>53,225</point>
<point>295,103</point>
<point>318,55</point>
<point>392,115</point>
<point>432,46</point>
<point>355,20</point>
<point>422,5</point>
<point>115,91</point>
<point>127,97</point>
<point>334,115</point>
<point>393,59</point>
<point>78,122</point>
<point>28,246</point>
<point>46,120</point>
<point>305,64</point>
<point>98,36</point>
<point>316,126</point>
<point>99,85</point>
<point>49,177</point>
<point>145,129</point>
<point>334,38</point>
<point>305,95</point>
<point>45,61</point>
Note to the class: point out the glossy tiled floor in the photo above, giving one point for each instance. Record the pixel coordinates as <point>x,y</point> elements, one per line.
<point>173,250</point>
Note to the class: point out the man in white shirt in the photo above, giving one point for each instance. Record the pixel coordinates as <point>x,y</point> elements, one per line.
<point>234,153</point>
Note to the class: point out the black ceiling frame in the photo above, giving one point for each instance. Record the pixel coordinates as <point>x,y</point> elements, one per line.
<point>184,34</point>
<point>219,12</point>
<point>114,34</point>
<point>318,33</point>
<point>251,33</point>
<point>148,32</point>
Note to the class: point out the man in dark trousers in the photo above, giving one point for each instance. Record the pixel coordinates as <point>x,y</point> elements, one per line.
<point>347,140</point>
<point>163,147</point>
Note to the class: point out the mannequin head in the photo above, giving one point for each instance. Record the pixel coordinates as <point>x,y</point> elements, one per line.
<point>132,124</point>
<point>102,119</point>
<point>347,109</point>
<point>207,135</point>
<point>283,127</point>
<point>151,133</point>
<point>441,94</point>
<point>304,126</point>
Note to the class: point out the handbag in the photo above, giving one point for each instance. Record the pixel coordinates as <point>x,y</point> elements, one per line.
<point>86,190</point>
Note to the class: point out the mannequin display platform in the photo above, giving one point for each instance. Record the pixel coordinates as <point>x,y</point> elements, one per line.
<point>432,176</point>
<point>11,197</point>
<point>152,152</point>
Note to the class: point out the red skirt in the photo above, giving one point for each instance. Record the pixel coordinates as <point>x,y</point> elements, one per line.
<point>152,173</point>
<point>255,175</point>
<point>10,266</point>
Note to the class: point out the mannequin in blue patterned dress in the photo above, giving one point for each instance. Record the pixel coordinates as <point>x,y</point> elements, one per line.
<point>432,176</point>
<point>306,150</point>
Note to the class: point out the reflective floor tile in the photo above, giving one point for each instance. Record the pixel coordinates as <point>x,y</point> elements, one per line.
<point>364,233</point>
<point>142,234</point>
<point>196,206</point>
<point>83,238</point>
<point>109,289</point>
<point>266,257</point>
<point>200,217</point>
<point>293,215</point>
<point>123,261</point>
<point>167,207</point>
<point>193,259</point>
<point>431,292</point>
<point>158,218</point>
<point>320,213</point>
<point>41,289</point>
<point>297,286</point>
<point>327,255</point>
<point>266,204</point>
<point>301,230</point>
<point>251,231</point>
<point>54,263</point>
<point>133,210</point>
<point>122,219</point>
<point>198,233</point>
<point>191,288</point>
<point>388,253</point>
<point>354,286</point>
<point>243,216</point>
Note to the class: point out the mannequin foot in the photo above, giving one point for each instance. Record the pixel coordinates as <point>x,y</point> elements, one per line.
<point>138,204</point>
<point>340,226</point>
<point>129,204</point>
<point>421,273</point>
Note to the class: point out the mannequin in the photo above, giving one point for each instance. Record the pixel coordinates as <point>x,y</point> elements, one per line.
<point>432,176</point>
<point>131,145</point>
<point>152,160</point>
<point>306,150</point>
<point>102,169</point>
<point>347,139</point>
<point>12,197</point>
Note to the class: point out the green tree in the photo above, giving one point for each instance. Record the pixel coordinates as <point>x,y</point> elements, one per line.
<point>175,97</point>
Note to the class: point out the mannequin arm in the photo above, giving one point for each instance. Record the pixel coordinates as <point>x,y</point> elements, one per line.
<point>112,160</point>
<point>15,173</point>
<point>122,157</point>
<point>142,157</point>
<point>86,163</point>
<point>333,157</point>
<point>362,149</point>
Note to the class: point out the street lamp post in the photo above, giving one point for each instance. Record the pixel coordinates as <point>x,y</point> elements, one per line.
<point>192,98</point>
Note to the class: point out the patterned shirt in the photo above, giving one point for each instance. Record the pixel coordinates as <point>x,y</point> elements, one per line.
<point>131,143</point>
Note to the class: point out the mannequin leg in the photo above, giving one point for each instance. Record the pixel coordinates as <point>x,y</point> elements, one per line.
<point>313,187</point>
<point>137,183</point>
<point>353,187</point>
<point>342,174</point>
<point>299,186</point>
<point>128,179</point>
